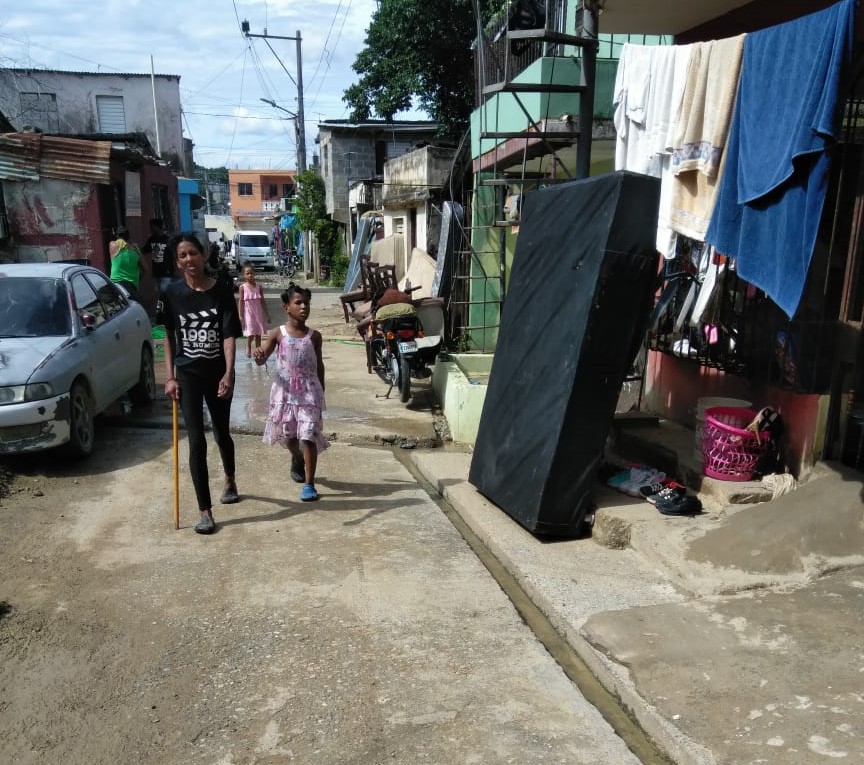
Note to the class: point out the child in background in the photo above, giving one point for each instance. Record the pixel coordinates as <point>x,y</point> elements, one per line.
<point>294,418</point>
<point>252,309</point>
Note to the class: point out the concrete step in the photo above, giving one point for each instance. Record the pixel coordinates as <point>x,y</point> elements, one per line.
<point>670,447</point>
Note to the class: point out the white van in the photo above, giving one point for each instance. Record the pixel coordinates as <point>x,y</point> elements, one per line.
<point>253,246</point>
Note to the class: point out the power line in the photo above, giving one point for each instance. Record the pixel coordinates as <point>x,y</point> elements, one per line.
<point>242,82</point>
<point>338,37</point>
<point>324,49</point>
<point>233,115</point>
<point>218,74</point>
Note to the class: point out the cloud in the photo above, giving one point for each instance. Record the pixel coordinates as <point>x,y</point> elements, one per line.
<point>223,75</point>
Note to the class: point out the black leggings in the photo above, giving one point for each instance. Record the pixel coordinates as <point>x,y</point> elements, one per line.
<point>194,391</point>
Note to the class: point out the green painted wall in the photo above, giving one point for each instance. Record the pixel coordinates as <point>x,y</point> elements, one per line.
<point>506,113</point>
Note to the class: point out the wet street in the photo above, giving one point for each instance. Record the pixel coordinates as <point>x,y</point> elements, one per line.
<point>357,629</point>
<point>356,408</point>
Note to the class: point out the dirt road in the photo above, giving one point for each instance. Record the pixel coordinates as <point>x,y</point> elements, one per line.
<point>359,629</point>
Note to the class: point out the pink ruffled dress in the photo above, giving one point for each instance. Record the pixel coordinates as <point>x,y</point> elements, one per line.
<point>296,397</point>
<point>253,310</point>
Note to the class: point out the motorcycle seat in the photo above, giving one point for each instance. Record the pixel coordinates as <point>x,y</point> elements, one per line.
<point>395,309</point>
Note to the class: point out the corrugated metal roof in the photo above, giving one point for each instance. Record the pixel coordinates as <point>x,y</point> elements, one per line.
<point>89,74</point>
<point>29,156</point>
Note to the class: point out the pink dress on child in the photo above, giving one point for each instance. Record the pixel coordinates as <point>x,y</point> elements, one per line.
<point>296,397</point>
<point>253,310</point>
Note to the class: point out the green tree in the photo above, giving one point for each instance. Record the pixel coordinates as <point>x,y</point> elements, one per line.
<point>418,49</point>
<point>312,216</point>
<point>214,174</point>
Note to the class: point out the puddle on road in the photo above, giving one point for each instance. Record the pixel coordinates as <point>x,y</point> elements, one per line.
<point>345,415</point>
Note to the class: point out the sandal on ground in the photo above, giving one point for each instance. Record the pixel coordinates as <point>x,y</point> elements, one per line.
<point>309,493</point>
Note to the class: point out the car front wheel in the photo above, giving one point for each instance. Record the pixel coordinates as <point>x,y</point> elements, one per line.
<point>82,433</point>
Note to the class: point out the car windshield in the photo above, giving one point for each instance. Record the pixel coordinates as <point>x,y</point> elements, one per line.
<point>32,306</point>
<point>254,240</point>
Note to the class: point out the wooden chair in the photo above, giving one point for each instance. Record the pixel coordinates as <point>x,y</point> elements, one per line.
<point>362,293</point>
<point>383,278</point>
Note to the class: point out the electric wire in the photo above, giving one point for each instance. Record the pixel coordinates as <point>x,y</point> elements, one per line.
<point>314,99</point>
<point>327,55</point>
<point>234,131</point>
<point>325,51</point>
<point>197,100</point>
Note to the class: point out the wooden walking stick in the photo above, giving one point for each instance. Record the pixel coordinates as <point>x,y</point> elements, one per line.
<point>176,466</point>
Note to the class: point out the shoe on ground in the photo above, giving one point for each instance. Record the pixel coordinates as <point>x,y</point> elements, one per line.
<point>309,493</point>
<point>640,478</point>
<point>230,495</point>
<point>614,481</point>
<point>655,487</point>
<point>298,470</point>
<point>639,475</point>
<point>681,505</point>
<point>206,525</point>
<point>666,491</point>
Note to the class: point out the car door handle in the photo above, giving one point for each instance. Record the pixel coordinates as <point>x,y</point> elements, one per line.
<point>117,335</point>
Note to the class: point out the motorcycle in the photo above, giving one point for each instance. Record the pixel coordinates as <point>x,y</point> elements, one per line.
<point>289,263</point>
<point>403,341</point>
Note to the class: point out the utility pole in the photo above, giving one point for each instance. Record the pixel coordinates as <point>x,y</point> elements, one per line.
<point>207,190</point>
<point>295,118</point>
<point>301,123</point>
<point>300,119</point>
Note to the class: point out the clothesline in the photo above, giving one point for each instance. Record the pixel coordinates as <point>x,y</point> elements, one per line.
<point>724,124</point>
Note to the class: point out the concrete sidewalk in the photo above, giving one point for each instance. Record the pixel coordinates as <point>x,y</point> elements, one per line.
<point>727,635</point>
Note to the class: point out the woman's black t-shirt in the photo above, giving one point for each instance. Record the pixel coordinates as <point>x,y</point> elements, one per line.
<point>198,323</point>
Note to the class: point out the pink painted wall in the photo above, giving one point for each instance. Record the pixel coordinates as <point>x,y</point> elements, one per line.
<point>53,219</point>
<point>673,387</point>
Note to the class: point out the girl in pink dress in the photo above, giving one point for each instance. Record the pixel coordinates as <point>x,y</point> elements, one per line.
<point>294,419</point>
<point>254,315</point>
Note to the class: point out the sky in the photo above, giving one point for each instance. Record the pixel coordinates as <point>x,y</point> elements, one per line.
<point>223,75</point>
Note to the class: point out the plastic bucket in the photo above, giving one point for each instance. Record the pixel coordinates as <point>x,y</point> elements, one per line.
<point>712,402</point>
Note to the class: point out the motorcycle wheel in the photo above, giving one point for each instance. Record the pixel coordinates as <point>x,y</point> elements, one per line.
<point>393,376</point>
<point>404,380</point>
<point>382,369</point>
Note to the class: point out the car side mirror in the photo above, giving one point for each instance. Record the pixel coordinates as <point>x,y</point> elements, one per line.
<point>88,320</point>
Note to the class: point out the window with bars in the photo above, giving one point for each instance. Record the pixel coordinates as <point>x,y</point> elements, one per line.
<point>244,189</point>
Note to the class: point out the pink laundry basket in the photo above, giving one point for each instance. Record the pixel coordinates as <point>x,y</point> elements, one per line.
<point>731,452</point>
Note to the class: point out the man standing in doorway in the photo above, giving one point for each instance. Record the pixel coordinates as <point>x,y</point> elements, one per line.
<point>155,247</point>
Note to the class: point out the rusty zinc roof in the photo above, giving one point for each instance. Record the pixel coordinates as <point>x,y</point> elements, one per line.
<point>30,156</point>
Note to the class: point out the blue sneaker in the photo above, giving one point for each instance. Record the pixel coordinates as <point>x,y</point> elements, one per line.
<point>308,493</point>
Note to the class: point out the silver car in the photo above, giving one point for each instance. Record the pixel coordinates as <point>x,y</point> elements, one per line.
<point>71,343</point>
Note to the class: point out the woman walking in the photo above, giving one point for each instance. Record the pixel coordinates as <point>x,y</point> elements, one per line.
<point>202,325</point>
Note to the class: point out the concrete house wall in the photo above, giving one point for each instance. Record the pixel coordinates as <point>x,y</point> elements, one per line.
<point>412,183</point>
<point>351,153</point>
<point>260,203</point>
<point>65,103</point>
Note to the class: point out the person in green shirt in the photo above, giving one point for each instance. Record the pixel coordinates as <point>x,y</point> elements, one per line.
<point>125,266</point>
